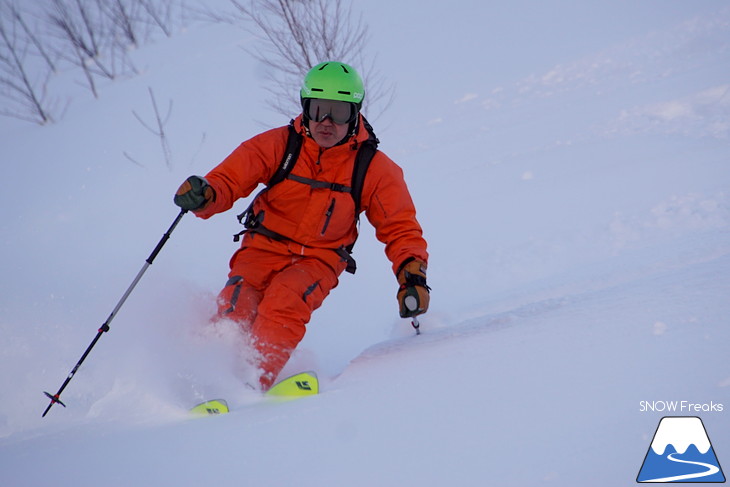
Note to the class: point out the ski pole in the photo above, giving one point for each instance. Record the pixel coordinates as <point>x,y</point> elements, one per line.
<point>105,326</point>
<point>416,325</point>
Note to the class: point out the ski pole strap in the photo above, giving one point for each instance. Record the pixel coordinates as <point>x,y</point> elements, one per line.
<point>414,280</point>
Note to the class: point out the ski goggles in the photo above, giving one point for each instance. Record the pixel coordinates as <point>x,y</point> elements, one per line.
<point>340,112</point>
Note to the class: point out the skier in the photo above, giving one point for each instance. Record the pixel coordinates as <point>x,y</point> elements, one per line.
<point>301,229</point>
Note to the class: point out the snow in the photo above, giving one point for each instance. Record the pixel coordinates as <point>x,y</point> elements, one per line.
<point>688,428</point>
<point>569,162</point>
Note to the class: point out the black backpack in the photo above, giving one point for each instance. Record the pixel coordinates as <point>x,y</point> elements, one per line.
<point>365,153</point>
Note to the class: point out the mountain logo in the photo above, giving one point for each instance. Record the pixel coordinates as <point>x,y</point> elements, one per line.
<point>681,452</point>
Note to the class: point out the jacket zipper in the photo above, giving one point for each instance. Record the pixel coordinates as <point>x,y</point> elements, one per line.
<point>328,215</point>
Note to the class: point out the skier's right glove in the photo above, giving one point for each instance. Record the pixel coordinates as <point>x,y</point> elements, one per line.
<point>194,194</point>
<point>413,293</point>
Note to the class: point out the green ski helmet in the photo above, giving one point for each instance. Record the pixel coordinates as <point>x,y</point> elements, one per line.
<point>333,80</point>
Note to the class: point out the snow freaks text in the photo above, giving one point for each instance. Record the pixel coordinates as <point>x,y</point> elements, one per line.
<point>682,407</point>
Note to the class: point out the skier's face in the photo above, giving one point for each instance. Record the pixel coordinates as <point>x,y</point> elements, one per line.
<point>327,133</point>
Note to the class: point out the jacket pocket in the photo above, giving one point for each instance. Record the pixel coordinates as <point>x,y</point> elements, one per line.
<point>328,216</point>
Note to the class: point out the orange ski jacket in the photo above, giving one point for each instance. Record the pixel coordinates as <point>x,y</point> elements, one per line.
<point>317,221</point>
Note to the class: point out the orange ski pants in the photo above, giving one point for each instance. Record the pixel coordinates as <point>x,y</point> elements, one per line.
<point>272,297</point>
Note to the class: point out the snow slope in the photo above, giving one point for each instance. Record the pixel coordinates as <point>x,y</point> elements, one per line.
<point>570,167</point>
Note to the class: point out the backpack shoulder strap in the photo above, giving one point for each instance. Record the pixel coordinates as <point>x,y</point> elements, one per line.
<point>291,154</point>
<point>365,154</point>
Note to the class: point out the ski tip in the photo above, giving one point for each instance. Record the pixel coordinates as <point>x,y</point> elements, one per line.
<point>299,385</point>
<point>210,408</point>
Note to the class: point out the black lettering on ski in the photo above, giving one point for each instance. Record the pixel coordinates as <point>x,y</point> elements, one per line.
<point>303,385</point>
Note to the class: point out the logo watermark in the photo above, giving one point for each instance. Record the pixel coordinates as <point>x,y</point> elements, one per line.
<point>683,407</point>
<point>681,450</point>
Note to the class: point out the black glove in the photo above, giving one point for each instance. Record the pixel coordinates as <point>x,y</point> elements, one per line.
<point>413,293</point>
<point>194,194</point>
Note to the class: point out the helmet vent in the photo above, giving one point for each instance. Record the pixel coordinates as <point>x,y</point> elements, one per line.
<point>331,81</point>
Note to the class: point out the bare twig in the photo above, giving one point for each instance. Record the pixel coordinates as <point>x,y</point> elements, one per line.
<point>295,35</point>
<point>160,13</point>
<point>159,128</point>
<point>123,15</point>
<point>94,36</point>
<point>24,95</point>
<point>72,24</point>
<point>32,35</point>
<point>132,159</point>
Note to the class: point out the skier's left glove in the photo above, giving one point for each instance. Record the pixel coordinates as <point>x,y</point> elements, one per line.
<point>194,194</point>
<point>413,293</point>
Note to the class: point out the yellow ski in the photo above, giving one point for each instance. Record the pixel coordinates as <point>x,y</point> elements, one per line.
<point>300,385</point>
<point>210,408</point>
<point>294,387</point>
